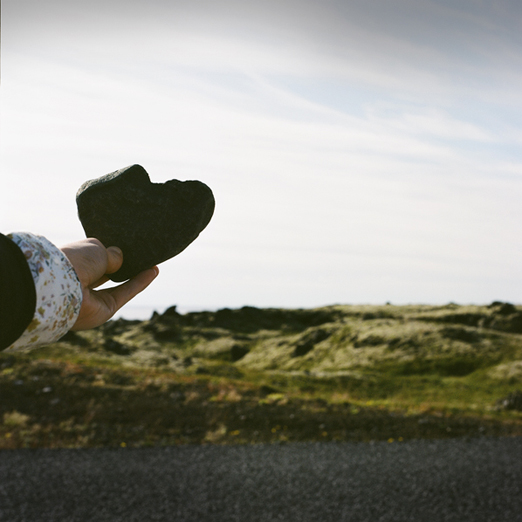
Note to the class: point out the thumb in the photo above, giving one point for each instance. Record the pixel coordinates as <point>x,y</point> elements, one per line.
<point>114,259</point>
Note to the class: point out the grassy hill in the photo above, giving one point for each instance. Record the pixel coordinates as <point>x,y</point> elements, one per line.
<point>355,373</point>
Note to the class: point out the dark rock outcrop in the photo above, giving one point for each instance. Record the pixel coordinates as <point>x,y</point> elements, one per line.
<point>308,341</point>
<point>512,402</point>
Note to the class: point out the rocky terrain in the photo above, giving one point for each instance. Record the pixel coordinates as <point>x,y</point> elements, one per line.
<point>271,375</point>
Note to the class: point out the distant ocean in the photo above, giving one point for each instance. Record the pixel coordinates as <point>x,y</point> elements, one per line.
<point>138,312</point>
<point>143,313</point>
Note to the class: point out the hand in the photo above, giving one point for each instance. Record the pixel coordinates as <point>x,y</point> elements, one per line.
<point>92,262</point>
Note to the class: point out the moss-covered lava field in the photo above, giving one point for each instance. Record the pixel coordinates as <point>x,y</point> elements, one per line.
<point>355,373</point>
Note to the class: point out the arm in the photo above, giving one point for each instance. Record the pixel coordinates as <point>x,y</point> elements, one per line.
<point>64,283</point>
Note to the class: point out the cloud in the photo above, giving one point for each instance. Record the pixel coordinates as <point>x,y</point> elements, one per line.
<point>358,151</point>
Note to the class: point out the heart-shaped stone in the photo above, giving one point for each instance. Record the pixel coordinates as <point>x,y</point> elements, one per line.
<point>150,222</point>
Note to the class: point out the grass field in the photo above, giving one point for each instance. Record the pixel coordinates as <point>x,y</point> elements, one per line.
<point>252,375</point>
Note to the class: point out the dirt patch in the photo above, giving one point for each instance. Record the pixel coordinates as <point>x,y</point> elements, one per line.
<point>57,405</point>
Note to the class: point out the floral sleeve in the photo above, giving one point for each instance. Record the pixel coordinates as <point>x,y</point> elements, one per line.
<point>58,291</point>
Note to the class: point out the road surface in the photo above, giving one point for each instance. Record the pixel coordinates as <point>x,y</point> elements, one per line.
<point>448,480</point>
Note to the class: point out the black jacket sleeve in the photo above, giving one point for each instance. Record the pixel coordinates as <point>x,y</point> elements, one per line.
<point>17,293</point>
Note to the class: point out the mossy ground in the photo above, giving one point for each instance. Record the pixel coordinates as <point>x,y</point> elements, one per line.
<point>251,375</point>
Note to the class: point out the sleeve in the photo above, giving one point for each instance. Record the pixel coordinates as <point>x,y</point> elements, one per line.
<point>57,293</point>
<point>17,293</point>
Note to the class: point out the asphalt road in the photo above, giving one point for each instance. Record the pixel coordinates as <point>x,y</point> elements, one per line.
<point>451,480</point>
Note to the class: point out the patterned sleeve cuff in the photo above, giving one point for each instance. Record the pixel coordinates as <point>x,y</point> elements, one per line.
<point>58,291</point>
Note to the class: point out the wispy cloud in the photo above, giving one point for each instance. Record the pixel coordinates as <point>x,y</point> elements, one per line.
<point>358,151</point>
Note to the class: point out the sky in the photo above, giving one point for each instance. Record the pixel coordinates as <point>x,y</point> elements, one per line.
<point>359,152</point>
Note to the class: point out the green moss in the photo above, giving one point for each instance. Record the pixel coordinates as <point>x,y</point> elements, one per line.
<point>220,369</point>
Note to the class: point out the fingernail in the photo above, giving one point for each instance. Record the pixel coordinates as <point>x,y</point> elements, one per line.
<point>116,250</point>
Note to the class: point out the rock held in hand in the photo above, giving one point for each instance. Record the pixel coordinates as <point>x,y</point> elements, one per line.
<point>150,222</point>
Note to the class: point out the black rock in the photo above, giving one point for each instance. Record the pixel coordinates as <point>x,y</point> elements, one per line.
<point>308,341</point>
<point>150,222</point>
<point>237,352</point>
<point>116,347</point>
<point>512,402</point>
<point>502,308</point>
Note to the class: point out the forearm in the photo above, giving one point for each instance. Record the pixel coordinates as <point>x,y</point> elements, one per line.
<point>48,311</point>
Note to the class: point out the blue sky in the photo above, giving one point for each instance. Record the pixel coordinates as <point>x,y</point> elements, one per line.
<point>359,152</point>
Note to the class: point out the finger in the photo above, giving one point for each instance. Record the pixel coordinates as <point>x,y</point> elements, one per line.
<point>100,282</point>
<point>114,298</point>
<point>100,305</point>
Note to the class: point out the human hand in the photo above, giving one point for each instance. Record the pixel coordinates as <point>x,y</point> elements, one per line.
<point>92,262</point>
